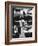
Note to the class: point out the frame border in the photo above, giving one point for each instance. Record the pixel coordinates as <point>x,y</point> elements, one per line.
<point>7,22</point>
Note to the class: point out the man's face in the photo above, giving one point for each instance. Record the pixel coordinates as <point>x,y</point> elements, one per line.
<point>27,25</point>
<point>26,22</point>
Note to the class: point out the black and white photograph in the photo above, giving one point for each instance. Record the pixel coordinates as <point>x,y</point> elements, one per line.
<point>22,22</point>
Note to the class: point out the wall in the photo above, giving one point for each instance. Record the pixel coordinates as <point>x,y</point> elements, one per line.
<point>2,23</point>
